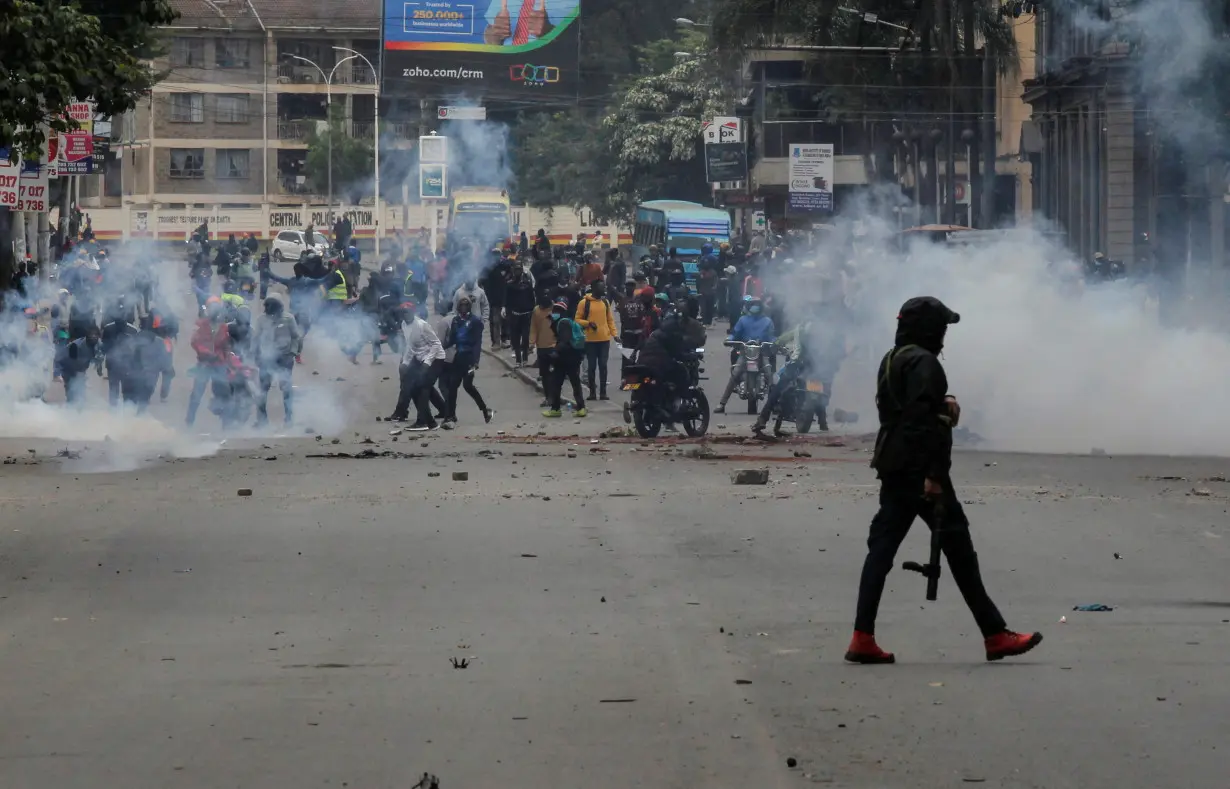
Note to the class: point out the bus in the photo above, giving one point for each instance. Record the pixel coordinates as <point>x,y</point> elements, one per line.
<point>679,225</point>
<point>482,213</point>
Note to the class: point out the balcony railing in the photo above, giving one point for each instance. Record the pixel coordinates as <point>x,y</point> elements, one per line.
<point>299,73</point>
<point>295,185</point>
<point>405,130</point>
<point>362,130</point>
<point>297,130</point>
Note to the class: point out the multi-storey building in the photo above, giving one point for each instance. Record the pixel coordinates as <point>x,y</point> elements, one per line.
<point>229,122</point>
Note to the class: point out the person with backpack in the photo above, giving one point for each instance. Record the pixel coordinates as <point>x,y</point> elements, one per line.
<point>565,362</point>
<point>596,317</point>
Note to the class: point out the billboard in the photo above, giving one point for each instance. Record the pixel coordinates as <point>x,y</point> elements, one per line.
<point>811,178</point>
<point>76,148</point>
<point>725,161</point>
<point>445,47</point>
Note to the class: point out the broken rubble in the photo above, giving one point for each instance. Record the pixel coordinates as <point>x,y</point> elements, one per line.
<point>750,476</point>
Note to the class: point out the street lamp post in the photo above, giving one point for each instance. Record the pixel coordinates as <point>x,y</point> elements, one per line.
<point>375,137</point>
<point>328,78</point>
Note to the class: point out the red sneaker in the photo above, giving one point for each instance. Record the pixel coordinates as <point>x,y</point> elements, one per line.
<point>863,649</point>
<point>1009,644</point>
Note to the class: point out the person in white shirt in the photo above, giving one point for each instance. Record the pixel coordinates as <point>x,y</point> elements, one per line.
<point>420,366</point>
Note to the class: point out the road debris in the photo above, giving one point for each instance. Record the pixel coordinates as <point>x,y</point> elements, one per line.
<point>395,431</point>
<point>1092,607</point>
<point>529,556</point>
<point>244,492</point>
<point>792,762</point>
<point>460,476</point>
<point>750,476</point>
<point>68,453</point>
<point>616,701</point>
<point>1201,492</point>
<point>743,682</point>
<point>460,662</point>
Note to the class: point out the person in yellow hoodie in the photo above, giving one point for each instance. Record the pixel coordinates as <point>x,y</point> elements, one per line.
<point>595,316</point>
<point>543,340</point>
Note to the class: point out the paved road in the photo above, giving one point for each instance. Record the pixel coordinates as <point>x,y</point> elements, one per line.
<point>630,618</point>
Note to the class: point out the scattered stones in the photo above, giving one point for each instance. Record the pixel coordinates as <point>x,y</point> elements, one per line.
<point>433,473</point>
<point>750,476</point>
<point>792,762</point>
<point>460,476</point>
<point>244,492</point>
<point>1201,492</point>
<point>395,431</point>
<point>336,441</point>
<point>800,453</point>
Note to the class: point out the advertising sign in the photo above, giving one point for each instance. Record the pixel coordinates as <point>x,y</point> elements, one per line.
<point>482,46</point>
<point>433,181</point>
<point>33,185</point>
<point>811,177</point>
<point>10,180</point>
<point>76,148</point>
<point>725,161</point>
<point>722,129</point>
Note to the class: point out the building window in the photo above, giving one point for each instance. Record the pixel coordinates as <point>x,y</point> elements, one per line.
<point>232,108</point>
<point>232,53</point>
<point>188,52</point>
<point>232,162</point>
<point>187,163</point>
<point>187,107</point>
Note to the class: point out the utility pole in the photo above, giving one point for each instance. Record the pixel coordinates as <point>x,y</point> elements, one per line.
<point>950,141</point>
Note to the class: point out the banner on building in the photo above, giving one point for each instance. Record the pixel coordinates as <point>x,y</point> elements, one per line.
<point>33,186</point>
<point>481,46</point>
<point>10,181</point>
<point>811,178</point>
<point>725,161</point>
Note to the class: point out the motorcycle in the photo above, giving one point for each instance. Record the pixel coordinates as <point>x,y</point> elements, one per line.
<point>757,378</point>
<point>806,399</point>
<point>651,406</point>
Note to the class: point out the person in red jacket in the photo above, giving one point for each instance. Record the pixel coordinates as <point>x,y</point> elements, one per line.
<point>211,342</point>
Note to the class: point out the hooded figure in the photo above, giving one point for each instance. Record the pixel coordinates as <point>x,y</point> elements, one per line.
<point>912,459</point>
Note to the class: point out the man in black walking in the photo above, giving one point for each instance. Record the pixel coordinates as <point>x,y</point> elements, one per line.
<point>913,459</point>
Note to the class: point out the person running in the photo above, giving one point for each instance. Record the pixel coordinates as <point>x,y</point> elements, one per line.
<point>466,335</point>
<point>421,364</point>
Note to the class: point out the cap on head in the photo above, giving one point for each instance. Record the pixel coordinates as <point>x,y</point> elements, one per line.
<point>927,310</point>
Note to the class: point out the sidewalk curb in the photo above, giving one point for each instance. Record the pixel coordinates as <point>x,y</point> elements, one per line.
<point>517,372</point>
<point>531,380</point>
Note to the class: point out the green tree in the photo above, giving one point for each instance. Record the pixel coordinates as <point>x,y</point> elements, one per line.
<point>55,53</point>
<point>352,159</point>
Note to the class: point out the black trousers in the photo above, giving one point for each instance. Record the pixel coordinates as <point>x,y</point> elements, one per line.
<point>458,375</point>
<point>565,365</point>
<point>519,331</point>
<point>417,380</point>
<point>708,304</point>
<point>901,502</point>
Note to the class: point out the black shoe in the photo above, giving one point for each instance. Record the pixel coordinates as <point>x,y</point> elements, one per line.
<point>395,418</point>
<point>602,395</point>
<point>721,409</point>
<point>593,395</point>
<point>487,414</point>
<point>419,427</point>
<point>446,426</point>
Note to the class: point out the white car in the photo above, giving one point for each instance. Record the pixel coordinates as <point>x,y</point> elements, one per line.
<point>289,245</point>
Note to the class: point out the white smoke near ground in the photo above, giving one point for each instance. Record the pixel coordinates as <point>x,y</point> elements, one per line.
<point>106,439</point>
<point>1041,361</point>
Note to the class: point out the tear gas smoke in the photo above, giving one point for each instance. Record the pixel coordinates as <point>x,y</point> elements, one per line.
<point>143,274</point>
<point>1040,361</point>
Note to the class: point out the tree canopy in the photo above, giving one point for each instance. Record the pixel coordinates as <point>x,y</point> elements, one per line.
<point>56,53</point>
<point>352,159</point>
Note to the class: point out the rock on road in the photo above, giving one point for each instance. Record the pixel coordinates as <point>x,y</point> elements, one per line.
<point>628,616</point>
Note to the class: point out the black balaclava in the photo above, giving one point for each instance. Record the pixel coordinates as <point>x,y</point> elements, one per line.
<point>273,307</point>
<point>923,321</point>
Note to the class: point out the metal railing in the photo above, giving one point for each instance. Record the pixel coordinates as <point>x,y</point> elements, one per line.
<point>362,130</point>
<point>297,129</point>
<point>405,130</point>
<point>292,185</point>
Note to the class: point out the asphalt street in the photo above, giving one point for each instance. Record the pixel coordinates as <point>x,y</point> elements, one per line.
<point>626,615</point>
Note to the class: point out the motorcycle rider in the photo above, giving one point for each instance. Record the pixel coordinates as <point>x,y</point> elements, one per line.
<point>668,346</point>
<point>805,337</point>
<point>913,459</point>
<point>753,326</point>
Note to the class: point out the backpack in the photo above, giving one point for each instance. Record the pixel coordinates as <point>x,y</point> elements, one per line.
<point>577,334</point>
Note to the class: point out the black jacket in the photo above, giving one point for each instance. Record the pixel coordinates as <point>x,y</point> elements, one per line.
<point>915,433</point>
<point>520,297</point>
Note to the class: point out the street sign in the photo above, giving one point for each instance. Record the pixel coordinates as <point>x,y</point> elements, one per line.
<point>462,113</point>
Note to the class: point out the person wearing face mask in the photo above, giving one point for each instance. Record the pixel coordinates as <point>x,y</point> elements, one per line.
<point>595,316</point>
<point>466,335</point>
<point>277,342</point>
<point>565,362</point>
<point>471,290</point>
<point>754,326</point>
<point>211,342</point>
<point>912,459</point>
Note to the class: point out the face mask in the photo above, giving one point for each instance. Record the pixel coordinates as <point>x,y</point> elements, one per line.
<point>753,311</point>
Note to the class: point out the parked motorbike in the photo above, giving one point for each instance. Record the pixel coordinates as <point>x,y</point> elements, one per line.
<point>653,404</point>
<point>757,377</point>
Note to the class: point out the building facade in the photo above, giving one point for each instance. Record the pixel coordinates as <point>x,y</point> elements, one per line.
<point>246,84</point>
